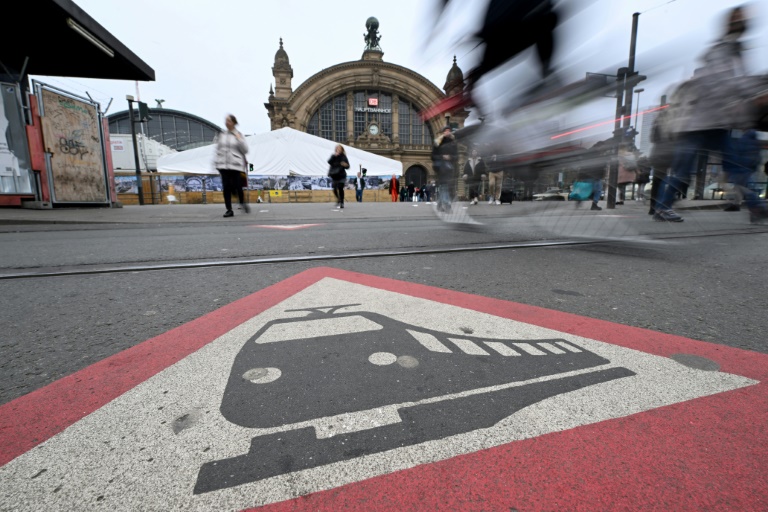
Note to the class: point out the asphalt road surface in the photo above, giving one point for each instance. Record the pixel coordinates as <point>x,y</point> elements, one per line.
<point>77,291</point>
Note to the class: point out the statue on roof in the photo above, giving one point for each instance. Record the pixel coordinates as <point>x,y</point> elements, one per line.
<point>372,37</point>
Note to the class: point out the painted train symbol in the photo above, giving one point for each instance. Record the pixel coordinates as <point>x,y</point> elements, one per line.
<point>329,363</point>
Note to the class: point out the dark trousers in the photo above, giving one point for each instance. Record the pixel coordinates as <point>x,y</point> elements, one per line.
<point>338,191</point>
<point>231,181</point>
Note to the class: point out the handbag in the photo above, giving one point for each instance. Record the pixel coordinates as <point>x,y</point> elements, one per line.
<point>580,191</point>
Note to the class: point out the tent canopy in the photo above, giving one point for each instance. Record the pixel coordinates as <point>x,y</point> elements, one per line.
<point>282,152</point>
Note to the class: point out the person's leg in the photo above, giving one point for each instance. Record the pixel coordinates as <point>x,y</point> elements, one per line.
<point>238,184</point>
<point>226,186</point>
<point>341,194</point>
<point>597,191</point>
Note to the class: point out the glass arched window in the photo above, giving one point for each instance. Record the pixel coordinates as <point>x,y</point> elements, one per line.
<point>412,130</point>
<point>330,121</point>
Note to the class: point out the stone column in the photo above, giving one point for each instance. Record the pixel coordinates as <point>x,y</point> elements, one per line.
<point>395,119</point>
<point>350,118</point>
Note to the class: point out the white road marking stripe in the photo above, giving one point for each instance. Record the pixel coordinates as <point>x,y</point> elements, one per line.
<point>429,342</point>
<point>468,347</point>
<point>527,347</point>
<point>551,348</point>
<point>568,346</point>
<point>501,348</point>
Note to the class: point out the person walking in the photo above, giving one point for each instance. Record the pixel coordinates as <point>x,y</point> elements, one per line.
<point>495,180</point>
<point>230,158</point>
<point>445,154</point>
<point>474,171</point>
<point>706,114</point>
<point>359,186</point>
<point>337,171</point>
<point>394,188</point>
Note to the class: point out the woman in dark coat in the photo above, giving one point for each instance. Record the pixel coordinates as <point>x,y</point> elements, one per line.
<point>337,171</point>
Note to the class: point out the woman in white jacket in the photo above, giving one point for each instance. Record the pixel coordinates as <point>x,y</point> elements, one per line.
<point>231,150</point>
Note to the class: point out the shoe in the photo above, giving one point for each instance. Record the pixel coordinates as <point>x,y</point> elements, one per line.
<point>497,202</point>
<point>732,208</point>
<point>619,202</point>
<point>490,201</point>
<point>246,208</point>
<point>667,216</point>
<point>229,213</point>
<point>595,207</point>
<point>341,206</point>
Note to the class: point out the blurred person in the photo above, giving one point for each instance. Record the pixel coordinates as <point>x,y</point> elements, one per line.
<point>411,191</point>
<point>495,180</point>
<point>745,160</point>
<point>642,177</point>
<point>445,154</point>
<point>403,194</point>
<point>394,188</point>
<point>474,171</point>
<point>509,28</point>
<point>230,159</point>
<point>706,114</point>
<point>359,186</point>
<point>337,171</point>
<point>430,191</point>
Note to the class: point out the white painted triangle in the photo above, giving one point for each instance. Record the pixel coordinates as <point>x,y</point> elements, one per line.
<point>127,456</point>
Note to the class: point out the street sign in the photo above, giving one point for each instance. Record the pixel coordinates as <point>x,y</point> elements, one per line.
<point>341,390</point>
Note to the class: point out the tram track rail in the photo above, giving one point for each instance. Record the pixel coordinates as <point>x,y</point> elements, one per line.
<point>97,269</point>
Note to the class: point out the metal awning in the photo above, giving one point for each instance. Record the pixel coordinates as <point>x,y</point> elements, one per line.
<point>60,39</point>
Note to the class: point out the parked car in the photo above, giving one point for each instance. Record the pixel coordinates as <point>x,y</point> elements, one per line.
<point>551,194</point>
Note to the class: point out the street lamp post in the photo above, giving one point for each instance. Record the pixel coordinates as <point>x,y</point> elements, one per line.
<point>637,108</point>
<point>135,149</point>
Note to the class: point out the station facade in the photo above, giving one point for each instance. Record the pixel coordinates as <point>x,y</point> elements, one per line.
<point>368,104</point>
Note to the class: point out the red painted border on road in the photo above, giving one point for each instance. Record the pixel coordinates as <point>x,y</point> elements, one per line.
<point>702,454</point>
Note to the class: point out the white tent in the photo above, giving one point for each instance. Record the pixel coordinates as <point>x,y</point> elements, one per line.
<point>282,152</point>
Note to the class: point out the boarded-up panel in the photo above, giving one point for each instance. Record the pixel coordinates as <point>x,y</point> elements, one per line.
<point>71,134</point>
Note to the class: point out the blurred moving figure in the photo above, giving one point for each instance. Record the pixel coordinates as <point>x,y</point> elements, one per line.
<point>511,27</point>
<point>474,171</point>
<point>229,160</point>
<point>715,101</point>
<point>445,154</point>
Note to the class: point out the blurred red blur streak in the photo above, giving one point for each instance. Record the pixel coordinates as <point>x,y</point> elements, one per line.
<point>459,100</point>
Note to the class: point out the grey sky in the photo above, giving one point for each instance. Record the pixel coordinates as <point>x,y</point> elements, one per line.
<point>215,57</point>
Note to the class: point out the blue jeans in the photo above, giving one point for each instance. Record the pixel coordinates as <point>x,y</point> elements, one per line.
<point>359,195</point>
<point>684,161</point>
<point>597,190</point>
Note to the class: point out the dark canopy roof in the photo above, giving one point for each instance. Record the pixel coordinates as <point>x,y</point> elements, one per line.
<point>61,39</point>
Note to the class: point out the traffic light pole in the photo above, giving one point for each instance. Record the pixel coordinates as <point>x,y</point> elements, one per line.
<point>135,150</point>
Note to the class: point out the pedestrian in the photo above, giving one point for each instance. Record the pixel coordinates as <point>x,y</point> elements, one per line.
<point>231,150</point>
<point>411,190</point>
<point>394,188</point>
<point>337,171</point>
<point>717,102</point>
<point>592,170</point>
<point>445,154</point>
<point>495,180</point>
<point>739,170</point>
<point>627,171</point>
<point>662,152</point>
<point>403,194</point>
<point>430,191</point>
<point>359,186</point>
<point>474,172</point>
<point>642,177</point>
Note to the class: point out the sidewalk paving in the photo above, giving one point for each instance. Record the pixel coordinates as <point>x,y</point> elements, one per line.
<point>285,212</point>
